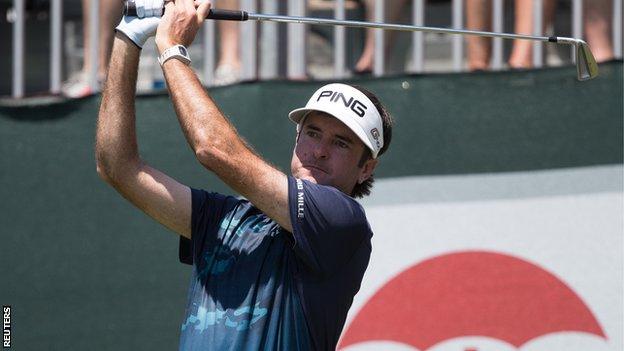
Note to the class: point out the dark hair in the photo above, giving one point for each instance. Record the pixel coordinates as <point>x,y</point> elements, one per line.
<point>364,189</point>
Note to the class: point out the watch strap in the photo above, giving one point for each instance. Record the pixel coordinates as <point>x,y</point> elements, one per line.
<point>178,52</point>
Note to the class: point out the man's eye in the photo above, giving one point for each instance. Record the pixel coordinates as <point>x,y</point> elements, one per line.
<point>342,144</point>
<point>311,133</point>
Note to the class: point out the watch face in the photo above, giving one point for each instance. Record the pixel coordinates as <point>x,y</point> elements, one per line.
<point>182,50</point>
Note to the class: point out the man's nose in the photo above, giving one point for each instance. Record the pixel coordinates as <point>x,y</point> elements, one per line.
<point>321,151</point>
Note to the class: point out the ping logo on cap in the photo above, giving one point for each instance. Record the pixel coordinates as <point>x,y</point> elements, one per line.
<point>356,106</point>
<point>375,134</point>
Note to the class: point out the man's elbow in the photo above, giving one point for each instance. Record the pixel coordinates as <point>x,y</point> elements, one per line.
<point>205,156</point>
<point>103,171</point>
<point>112,171</point>
<point>210,154</point>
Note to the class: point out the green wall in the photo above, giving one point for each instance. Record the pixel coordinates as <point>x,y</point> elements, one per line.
<point>84,270</point>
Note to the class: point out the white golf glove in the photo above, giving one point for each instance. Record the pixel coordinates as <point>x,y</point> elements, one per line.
<point>140,28</point>
<point>149,8</point>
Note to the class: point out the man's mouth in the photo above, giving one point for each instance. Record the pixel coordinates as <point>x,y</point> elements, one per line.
<point>315,167</point>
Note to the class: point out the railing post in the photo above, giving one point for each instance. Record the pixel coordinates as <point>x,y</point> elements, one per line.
<point>339,40</point>
<point>497,26</point>
<point>18,49</point>
<point>296,41</point>
<point>269,51</point>
<point>248,47</point>
<point>210,53</point>
<point>617,28</point>
<point>379,56</point>
<point>56,31</point>
<point>94,39</point>
<point>538,21</point>
<point>577,22</point>
<point>418,45</point>
<point>458,41</point>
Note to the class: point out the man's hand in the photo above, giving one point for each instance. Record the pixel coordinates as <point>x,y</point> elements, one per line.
<point>180,23</point>
<point>140,28</point>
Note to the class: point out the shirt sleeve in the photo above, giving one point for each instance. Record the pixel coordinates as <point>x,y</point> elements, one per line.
<point>207,210</point>
<point>328,225</point>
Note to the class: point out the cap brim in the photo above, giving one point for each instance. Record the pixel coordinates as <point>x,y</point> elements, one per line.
<point>298,114</point>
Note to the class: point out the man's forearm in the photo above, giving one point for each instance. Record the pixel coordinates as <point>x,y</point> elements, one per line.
<point>116,146</point>
<point>202,122</point>
<point>216,144</point>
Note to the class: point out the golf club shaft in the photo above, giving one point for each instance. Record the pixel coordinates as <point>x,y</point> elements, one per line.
<point>234,15</point>
<point>389,26</point>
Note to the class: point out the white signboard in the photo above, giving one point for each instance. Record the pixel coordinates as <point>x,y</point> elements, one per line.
<point>521,261</point>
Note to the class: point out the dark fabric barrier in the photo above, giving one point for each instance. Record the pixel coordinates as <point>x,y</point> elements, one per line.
<point>83,269</point>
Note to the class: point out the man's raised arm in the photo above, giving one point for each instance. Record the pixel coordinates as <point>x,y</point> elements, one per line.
<point>213,139</point>
<point>118,161</point>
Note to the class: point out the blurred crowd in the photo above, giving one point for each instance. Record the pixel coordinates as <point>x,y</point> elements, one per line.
<point>597,16</point>
<point>228,69</point>
<point>478,16</point>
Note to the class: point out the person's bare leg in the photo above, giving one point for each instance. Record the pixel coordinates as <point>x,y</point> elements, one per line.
<point>478,17</point>
<point>365,62</point>
<point>522,52</point>
<point>86,42</point>
<point>229,65</point>
<point>392,15</point>
<point>598,28</point>
<point>549,13</point>
<point>78,85</point>
<point>229,37</point>
<point>110,15</point>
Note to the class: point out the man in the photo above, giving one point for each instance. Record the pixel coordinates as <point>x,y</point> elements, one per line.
<point>279,270</point>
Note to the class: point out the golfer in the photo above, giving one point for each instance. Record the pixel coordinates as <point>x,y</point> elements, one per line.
<point>277,269</point>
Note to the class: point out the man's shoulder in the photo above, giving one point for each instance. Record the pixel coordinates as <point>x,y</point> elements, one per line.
<point>331,192</point>
<point>337,208</point>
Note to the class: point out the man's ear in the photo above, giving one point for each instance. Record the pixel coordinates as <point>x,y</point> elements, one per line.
<point>367,170</point>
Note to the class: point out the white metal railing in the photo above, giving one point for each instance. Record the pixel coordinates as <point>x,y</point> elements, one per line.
<point>537,30</point>
<point>296,41</point>
<point>94,21</point>
<point>209,63</point>
<point>458,23</point>
<point>617,28</point>
<point>339,40</point>
<point>497,26</point>
<point>264,64</point>
<point>269,53</point>
<point>418,43</point>
<point>56,33</point>
<point>248,40</point>
<point>380,42</point>
<point>577,21</point>
<point>18,49</point>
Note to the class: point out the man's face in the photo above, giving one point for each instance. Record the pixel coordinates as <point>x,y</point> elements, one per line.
<point>328,153</point>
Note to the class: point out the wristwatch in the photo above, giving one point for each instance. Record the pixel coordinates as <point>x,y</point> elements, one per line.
<point>178,52</point>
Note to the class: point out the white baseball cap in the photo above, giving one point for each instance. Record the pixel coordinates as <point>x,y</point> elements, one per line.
<point>351,107</point>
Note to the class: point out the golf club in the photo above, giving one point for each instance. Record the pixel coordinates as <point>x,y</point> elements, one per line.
<point>586,67</point>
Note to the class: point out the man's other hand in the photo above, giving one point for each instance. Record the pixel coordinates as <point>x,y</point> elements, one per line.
<point>140,28</point>
<point>149,8</point>
<point>180,23</point>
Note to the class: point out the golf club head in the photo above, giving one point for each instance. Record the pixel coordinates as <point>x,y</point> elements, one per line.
<point>586,67</point>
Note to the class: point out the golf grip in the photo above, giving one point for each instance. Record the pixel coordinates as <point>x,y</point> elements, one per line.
<point>214,14</point>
